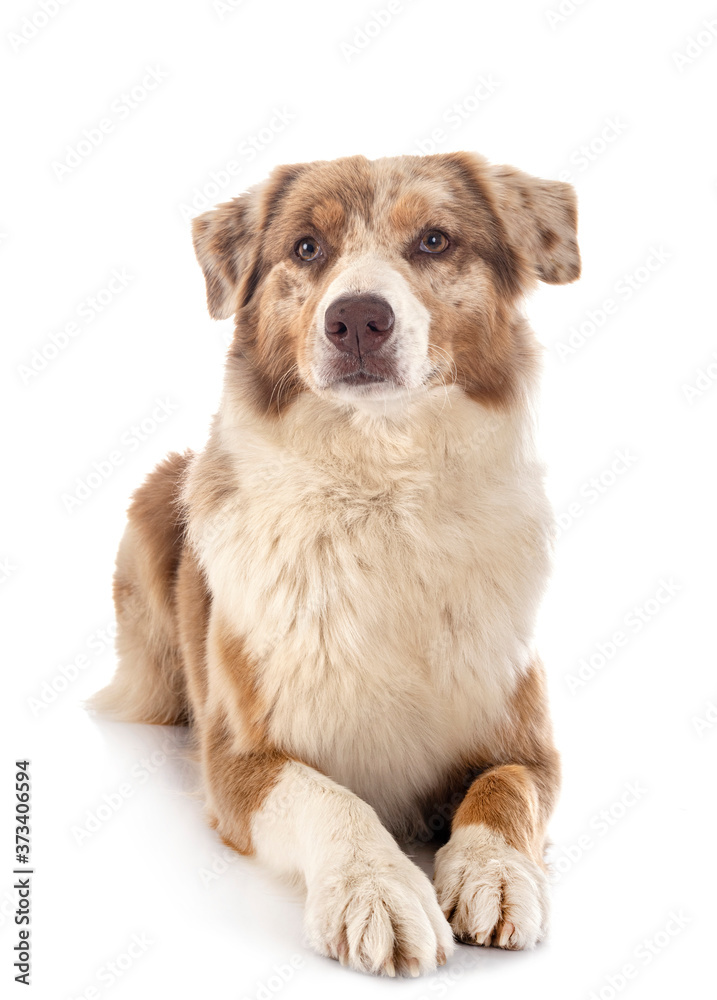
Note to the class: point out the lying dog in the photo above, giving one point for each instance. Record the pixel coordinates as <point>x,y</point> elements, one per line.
<point>339,592</point>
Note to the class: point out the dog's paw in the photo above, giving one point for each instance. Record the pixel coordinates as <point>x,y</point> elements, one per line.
<point>491,893</point>
<point>379,914</point>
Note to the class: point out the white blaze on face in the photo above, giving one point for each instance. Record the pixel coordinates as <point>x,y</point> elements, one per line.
<point>406,349</point>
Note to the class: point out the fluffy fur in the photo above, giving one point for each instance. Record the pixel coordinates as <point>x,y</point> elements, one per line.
<point>338,594</point>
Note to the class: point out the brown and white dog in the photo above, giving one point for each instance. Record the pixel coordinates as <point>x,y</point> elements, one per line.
<point>338,594</point>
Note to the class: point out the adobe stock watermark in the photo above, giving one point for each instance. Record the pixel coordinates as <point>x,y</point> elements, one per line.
<point>707,721</point>
<point>593,489</point>
<point>280,975</point>
<point>643,955</point>
<point>87,312</point>
<point>695,46</point>
<point>205,194</point>
<point>622,292</point>
<point>564,857</point>
<point>222,8</point>
<point>441,814</point>
<point>130,441</point>
<point>110,973</point>
<point>587,153</point>
<point>219,865</point>
<point>120,109</point>
<point>632,624</point>
<point>364,34</point>
<point>110,803</point>
<point>442,982</point>
<point>704,380</point>
<point>7,569</point>
<point>555,16</point>
<point>456,115</point>
<point>32,24</point>
<point>50,690</point>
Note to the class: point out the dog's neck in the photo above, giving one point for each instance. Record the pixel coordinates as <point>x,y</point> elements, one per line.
<point>438,430</point>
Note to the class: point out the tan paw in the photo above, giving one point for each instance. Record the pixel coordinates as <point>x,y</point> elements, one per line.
<point>491,893</point>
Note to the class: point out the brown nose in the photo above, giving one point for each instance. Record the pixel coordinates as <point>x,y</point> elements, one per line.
<point>359,323</point>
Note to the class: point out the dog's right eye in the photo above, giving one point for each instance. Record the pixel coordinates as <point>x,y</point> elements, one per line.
<point>434,241</point>
<point>308,248</point>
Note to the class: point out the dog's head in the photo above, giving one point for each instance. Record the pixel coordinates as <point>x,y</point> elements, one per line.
<point>363,280</point>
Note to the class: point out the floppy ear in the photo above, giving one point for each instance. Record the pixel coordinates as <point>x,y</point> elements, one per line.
<point>221,242</point>
<point>540,219</point>
<point>228,241</point>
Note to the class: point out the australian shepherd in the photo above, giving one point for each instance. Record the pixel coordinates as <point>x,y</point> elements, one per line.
<point>338,594</point>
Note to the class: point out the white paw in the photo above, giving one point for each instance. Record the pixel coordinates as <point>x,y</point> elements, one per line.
<point>378,913</point>
<point>491,893</point>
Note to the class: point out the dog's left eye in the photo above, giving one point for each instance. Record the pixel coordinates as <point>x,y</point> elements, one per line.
<point>434,241</point>
<point>308,248</point>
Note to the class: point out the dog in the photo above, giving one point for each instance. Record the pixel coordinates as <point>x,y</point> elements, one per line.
<point>338,593</point>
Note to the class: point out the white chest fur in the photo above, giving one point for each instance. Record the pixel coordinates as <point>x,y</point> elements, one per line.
<point>385,577</point>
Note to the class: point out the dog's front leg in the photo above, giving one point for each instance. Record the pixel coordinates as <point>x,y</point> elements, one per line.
<point>490,876</point>
<point>367,904</point>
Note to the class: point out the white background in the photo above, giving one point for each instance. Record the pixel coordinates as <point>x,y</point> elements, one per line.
<point>643,716</point>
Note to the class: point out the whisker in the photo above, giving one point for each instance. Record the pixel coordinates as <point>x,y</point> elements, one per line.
<point>280,385</point>
<point>451,363</point>
<point>444,365</point>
